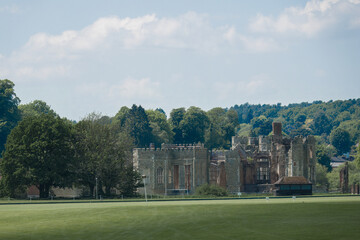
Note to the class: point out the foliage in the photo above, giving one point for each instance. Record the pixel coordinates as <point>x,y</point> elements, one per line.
<point>135,122</point>
<point>244,130</point>
<point>317,118</point>
<point>354,173</point>
<point>260,126</point>
<point>353,127</point>
<point>323,155</point>
<point>340,139</point>
<point>321,124</point>
<point>221,129</point>
<point>334,179</point>
<point>210,190</point>
<point>321,178</point>
<point>161,129</point>
<point>357,156</point>
<point>176,117</point>
<point>104,154</point>
<point>36,108</point>
<point>9,113</point>
<point>120,118</point>
<point>38,152</point>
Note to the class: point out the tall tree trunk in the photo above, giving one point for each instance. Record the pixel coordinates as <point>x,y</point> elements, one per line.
<point>107,190</point>
<point>92,190</point>
<point>44,190</point>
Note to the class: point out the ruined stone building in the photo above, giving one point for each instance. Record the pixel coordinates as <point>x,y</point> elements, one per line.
<point>251,165</point>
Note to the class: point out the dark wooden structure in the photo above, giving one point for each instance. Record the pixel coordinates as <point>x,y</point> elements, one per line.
<point>293,186</point>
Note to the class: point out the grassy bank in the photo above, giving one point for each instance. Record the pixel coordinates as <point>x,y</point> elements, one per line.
<point>302,218</point>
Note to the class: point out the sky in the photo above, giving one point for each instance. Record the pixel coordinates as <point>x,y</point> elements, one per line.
<point>97,56</point>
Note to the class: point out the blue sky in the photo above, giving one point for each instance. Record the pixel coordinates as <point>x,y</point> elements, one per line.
<point>86,56</point>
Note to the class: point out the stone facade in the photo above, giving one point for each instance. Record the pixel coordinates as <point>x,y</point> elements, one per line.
<point>173,168</point>
<point>251,165</point>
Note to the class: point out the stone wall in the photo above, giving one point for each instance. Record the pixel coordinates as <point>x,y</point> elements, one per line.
<point>174,169</point>
<point>249,163</point>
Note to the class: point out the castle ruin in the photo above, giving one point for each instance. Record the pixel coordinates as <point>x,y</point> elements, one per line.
<point>251,165</point>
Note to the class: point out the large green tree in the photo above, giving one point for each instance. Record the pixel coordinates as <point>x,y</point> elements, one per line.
<point>136,123</point>
<point>9,113</point>
<point>340,139</point>
<point>321,123</point>
<point>39,152</point>
<point>193,125</point>
<point>221,128</point>
<point>36,108</point>
<point>161,129</point>
<point>104,154</point>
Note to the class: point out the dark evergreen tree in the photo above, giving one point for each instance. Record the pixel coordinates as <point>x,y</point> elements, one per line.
<point>138,126</point>
<point>176,116</point>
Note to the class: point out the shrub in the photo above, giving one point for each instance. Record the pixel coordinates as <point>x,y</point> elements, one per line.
<point>211,190</point>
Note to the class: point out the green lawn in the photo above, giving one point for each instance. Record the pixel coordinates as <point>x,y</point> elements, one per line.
<point>303,218</point>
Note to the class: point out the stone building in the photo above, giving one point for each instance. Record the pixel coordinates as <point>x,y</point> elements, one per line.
<point>173,168</point>
<point>251,165</point>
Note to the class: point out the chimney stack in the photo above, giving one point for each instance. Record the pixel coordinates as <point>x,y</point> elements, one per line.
<point>277,129</point>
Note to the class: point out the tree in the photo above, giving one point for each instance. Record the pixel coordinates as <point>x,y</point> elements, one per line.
<point>340,139</point>
<point>323,156</point>
<point>38,152</point>
<point>135,122</point>
<point>321,178</point>
<point>9,113</point>
<point>321,123</point>
<point>104,154</point>
<point>260,126</point>
<point>193,125</point>
<point>138,126</point>
<point>161,129</point>
<point>221,128</point>
<point>120,117</point>
<point>176,116</point>
<point>36,108</point>
<point>353,127</point>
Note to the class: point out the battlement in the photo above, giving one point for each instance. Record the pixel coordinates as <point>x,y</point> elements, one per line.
<point>178,147</point>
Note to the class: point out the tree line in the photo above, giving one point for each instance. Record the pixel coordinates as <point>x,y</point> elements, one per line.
<point>40,148</point>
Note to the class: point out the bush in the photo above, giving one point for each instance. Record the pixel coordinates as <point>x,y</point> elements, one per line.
<point>211,190</point>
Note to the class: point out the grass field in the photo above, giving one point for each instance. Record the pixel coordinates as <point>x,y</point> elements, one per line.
<point>303,218</point>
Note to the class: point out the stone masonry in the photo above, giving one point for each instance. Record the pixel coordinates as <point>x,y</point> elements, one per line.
<point>251,165</point>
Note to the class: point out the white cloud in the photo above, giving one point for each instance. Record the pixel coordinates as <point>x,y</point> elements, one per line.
<point>255,85</point>
<point>41,73</point>
<point>127,89</point>
<point>44,51</point>
<point>136,88</point>
<point>10,9</point>
<point>260,44</point>
<point>190,30</point>
<point>310,20</point>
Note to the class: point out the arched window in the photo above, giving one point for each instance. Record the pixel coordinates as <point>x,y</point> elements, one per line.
<point>159,176</point>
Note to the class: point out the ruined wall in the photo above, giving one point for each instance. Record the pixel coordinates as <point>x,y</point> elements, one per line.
<point>227,163</point>
<point>171,169</point>
<point>302,158</point>
<point>250,162</point>
<point>344,179</point>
